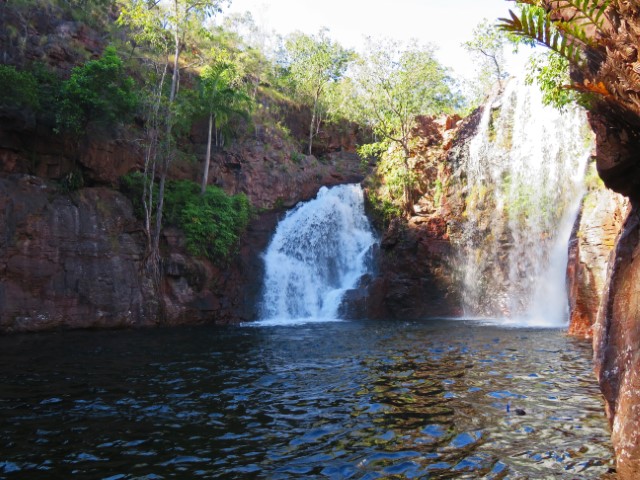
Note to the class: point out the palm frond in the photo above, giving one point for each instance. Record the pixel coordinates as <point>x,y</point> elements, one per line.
<point>562,37</point>
<point>589,12</point>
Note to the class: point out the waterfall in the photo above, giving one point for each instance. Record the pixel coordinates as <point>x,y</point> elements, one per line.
<point>319,251</point>
<point>524,172</point>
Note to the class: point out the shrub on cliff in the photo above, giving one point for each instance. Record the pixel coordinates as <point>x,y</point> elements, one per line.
<point>19,89</point>
<point>99,91</point>
<point>212,223</point>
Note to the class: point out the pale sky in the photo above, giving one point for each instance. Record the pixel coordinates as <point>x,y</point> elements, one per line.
<point>443,23</point>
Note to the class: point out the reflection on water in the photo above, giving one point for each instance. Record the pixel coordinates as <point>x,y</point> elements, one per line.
<point>337,400</point>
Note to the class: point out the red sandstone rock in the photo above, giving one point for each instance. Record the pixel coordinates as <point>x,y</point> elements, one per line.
<point>590,248</point>
<point>415,279</point>
<point>616,344</point>
<point>67,260</point>
<point>75,261</point>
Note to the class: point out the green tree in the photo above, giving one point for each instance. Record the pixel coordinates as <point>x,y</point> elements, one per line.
<point>19,89</point>
<point>398,83</point>
<point>312,63</point>
<point>223,96</point>
<point>550,71</point>
<point>164,24</point>
<point>487,45</point>
<point>251,48</point>
<point>99,91</point>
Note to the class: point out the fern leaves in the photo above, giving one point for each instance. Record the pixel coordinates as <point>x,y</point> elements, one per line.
<point>587,12</point>
<point>538,26</point>
<point>567,37</point>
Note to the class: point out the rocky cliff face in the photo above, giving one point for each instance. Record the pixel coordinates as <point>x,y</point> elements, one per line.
<point>592,243</point>
<point>603,278</point>
<point>616,340</point>
<point>617,355</point>
<point>413,278</point>
<point>76,261</point>
<point>415,275</point>
<point>69,260</point>
<point>615,119</point>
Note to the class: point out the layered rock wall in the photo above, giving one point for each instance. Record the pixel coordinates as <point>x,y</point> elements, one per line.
<point>415,275</point>
<point>414,278</point>
<point>77,261</point>
<point>617,352</point>
<point>68,261</point>
<point>590,248</point>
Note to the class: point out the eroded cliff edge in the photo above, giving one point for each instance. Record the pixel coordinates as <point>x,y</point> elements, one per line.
<point>74,259</point>
<point>604,280</point>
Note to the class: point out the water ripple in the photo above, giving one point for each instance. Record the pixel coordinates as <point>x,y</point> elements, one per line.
<point>342,400</point>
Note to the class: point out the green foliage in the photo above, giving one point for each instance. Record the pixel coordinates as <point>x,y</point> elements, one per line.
<point>397,83</point>
<point>535,23</point>
<point>72,181</point>
<point>313,61</point>
<point>550,71</point>
<point>212,223</point>
<point>372,151</point>
<point>19,89</point>
<point>567,38</point>
<point>438,191</point>
<point>49,87</point>
<point>585,12</point>
<point>487,46</point>
<point>95,13</point>
<point>592,180</point>
<point>389,184</point>
<point>132,185</point>
<point>183,111</point>
<point>222,93</point>
<point>178,194</point>
<point>297,157</point>
<point>397,177</point>
<point>384,209</point>
<point>100,91</point>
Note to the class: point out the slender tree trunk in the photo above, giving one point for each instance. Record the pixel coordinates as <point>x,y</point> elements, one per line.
<point>496,65</point>
<point>165,160</point>
<point>498,70</point>
<point>313,122</point>
<point>166,156</point>
<point>151,157</point>
<point>314,114</point>
<point>407,187</point>
<point>207,158</point>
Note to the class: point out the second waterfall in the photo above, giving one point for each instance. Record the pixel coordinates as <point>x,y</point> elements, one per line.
<point>524,174</point>
<point>319,251</point>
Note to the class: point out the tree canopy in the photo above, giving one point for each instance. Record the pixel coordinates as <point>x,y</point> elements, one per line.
<point>100,90</point>
<point>487,45</point>
<point>396,83</point>
<point>312,63</point>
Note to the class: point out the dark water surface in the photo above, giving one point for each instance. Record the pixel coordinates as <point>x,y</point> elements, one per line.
<point>333,400</point>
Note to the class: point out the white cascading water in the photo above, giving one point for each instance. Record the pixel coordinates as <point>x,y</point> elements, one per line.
<point>525,179</point>
<point>319,251</point>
